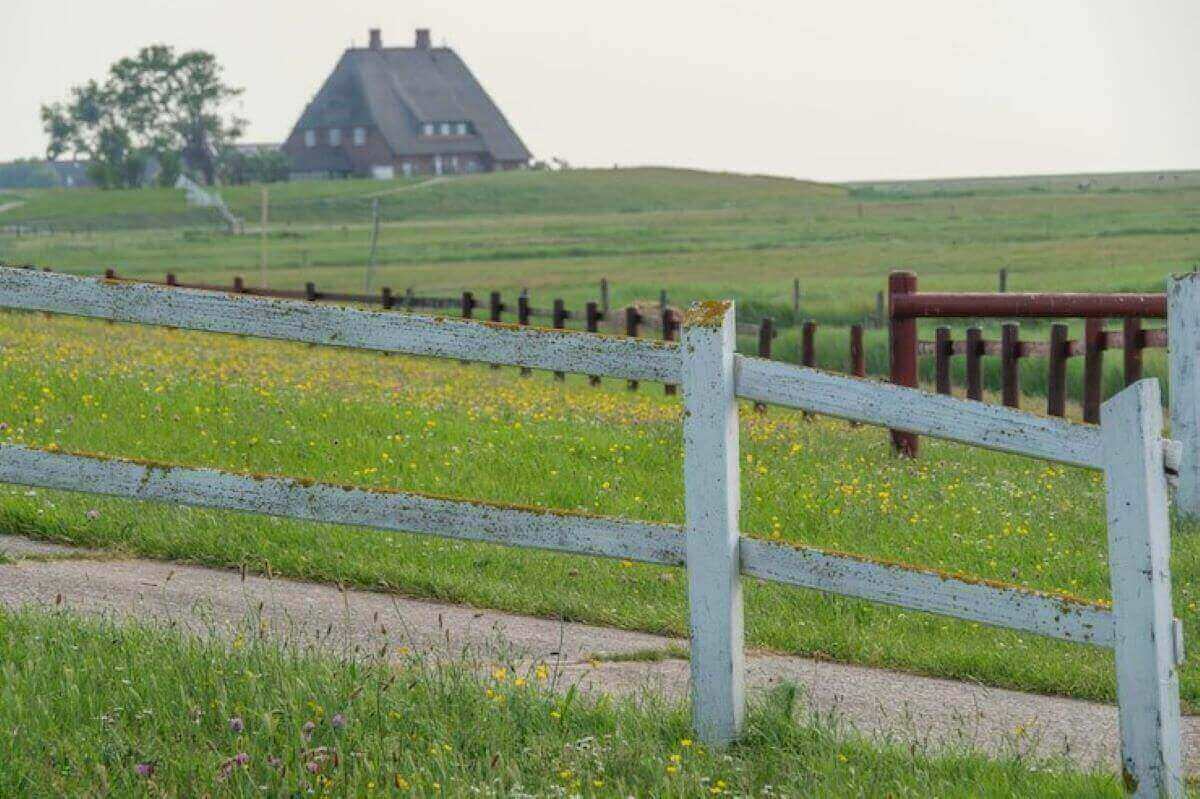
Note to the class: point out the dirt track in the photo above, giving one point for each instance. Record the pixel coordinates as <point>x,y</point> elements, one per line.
<point>875,701</point>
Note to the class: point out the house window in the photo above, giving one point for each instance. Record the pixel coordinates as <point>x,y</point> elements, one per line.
<point>428,128</point>
<point>461,128</point>
<point>335,137</point>
<point>445,128</point>
<point>310,138</point>
<point>360,137</point>
<point>407,168</point>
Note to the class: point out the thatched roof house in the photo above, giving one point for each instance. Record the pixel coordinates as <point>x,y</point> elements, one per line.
<point>388,111</point>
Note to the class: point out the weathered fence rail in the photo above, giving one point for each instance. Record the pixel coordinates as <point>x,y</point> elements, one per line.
<point>1128,447</point>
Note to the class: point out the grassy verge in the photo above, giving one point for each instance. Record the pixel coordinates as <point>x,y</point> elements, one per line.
<point>90,708</point>
<point>471,431</point>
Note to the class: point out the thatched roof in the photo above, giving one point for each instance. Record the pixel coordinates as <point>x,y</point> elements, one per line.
<point>397,89</point>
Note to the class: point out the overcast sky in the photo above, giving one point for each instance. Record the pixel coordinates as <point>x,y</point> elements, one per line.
<point>832,90</point>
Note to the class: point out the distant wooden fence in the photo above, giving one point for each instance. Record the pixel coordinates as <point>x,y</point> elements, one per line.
<point>1128,447</point>
<point>634,320</point>
<point>1179,305</point>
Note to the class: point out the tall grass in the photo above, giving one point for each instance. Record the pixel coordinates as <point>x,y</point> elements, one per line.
<point>89,708</point>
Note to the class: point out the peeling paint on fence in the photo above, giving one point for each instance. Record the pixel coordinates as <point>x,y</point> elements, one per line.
<point>473,520</point>
<point>915,411</point>
<point>963,597</point>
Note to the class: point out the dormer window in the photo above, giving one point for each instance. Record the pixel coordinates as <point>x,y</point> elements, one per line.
<point>310,138</point>
<point>446,129</point>
<point>335,137</point>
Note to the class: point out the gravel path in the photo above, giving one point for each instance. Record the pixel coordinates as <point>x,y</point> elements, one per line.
<point>877,702</point>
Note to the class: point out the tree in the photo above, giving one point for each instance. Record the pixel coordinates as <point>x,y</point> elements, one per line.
<point>155,105</point>
<point>260,166</point>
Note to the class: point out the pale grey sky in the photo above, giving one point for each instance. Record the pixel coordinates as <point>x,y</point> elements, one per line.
<point>828,90</point>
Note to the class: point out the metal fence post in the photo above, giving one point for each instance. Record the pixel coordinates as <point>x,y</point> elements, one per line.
<point>1148,644</point>
<point>712,503</point>
<point>1183,342</point>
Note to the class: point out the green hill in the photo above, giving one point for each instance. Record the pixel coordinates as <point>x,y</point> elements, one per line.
<point>636,190</point>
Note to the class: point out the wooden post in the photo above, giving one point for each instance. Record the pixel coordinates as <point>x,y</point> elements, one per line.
<point>1093,368</point>
<point>410,299</point>
<point>632,320</point>
<point>592,321</point>
<point>1010,371</point>
<point>1056,371</point>
<point>712,503</point>
<point>239,285</point>
<point>262,239</point>
<point>943,348</point>
<point>662,299</point>
<point>796,298</point>
<point>1133,350</point>
<point>670,327</point>
<point>110,274</point>
<point>386,299</point>
<point>560,322</point>
<point>975,364</point>
<point>523,319</point>
<point>1148,643</point>
<point>903,335</point>
<point>495,310</point>
<point>466,305</point>
<point>766,333</point>
<point>171,280</point>
<point>858,358</point>
<point>310,291</point>
<point>604,296</point>
<point>1183,342</point>
<point>808,344</point>
<point>1003,280</point>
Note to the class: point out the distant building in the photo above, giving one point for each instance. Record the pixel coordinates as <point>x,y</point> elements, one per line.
<point>389,111</point>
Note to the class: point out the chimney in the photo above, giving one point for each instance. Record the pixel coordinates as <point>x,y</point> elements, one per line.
<point>376,39</point>
<point>422,38</point>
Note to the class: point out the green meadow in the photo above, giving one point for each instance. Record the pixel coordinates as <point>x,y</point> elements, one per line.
<point>696,235</point>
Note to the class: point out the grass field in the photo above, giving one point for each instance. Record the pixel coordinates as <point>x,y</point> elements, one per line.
<point>145,713</point>
<point>467,430</point>
<point>697,235</point>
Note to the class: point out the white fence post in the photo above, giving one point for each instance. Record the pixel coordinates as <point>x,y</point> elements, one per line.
<point>712,500</point>
<point>1183,342</point>
<point>1148,645</point>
